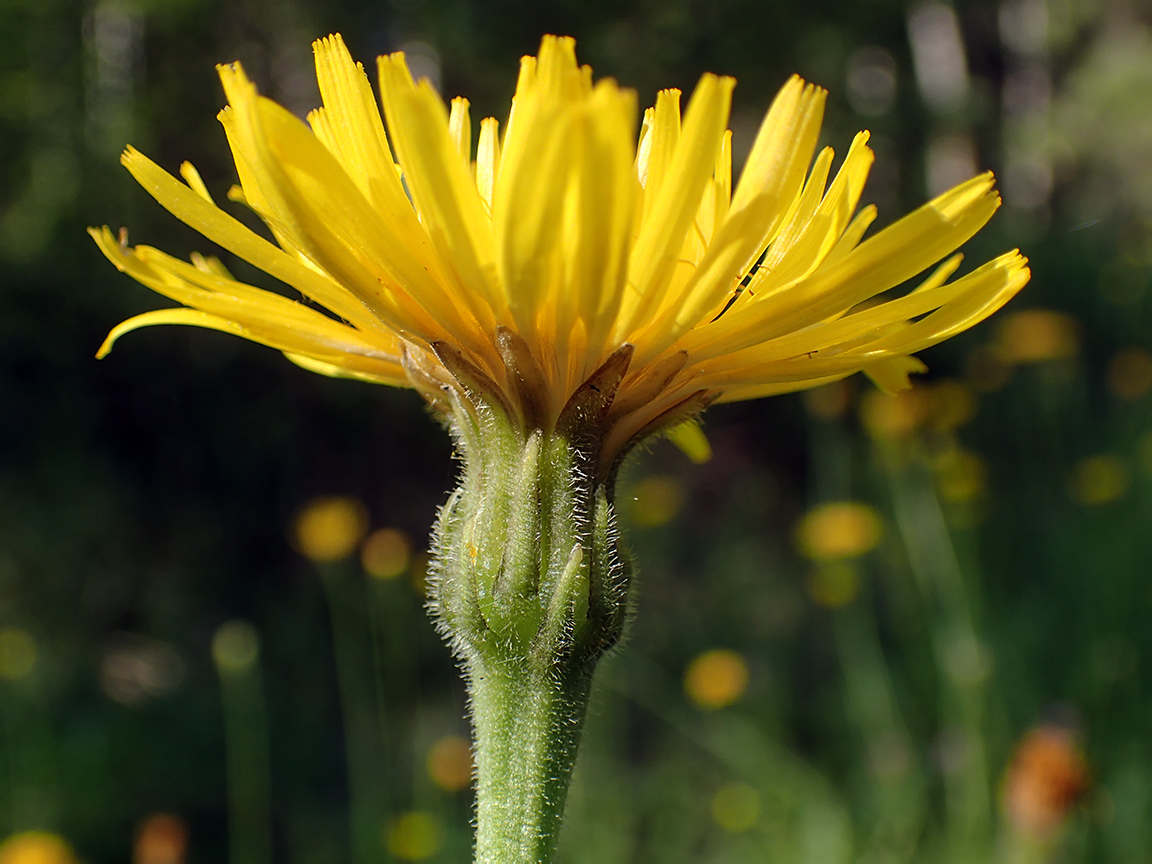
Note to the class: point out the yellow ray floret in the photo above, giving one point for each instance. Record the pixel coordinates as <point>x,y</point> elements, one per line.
<point>577,241</point>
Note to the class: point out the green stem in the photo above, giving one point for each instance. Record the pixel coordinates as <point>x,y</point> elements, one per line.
<point>528,721</point>
<point>368,763</point>
<point>236,652</point>
<point>934,562</point>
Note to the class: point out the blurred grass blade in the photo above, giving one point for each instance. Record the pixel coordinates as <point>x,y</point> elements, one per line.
<point>236,652</point>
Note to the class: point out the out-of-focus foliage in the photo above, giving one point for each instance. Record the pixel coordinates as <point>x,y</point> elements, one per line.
<point>869,630</point>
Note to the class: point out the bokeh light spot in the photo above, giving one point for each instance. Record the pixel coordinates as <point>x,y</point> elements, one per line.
<point>420,573</point>
<point>414,836</point>
<point>736,807</point>
<point>834,584</point>
<point>329,529</point>
<point>450,763</point>
<point>968,661</point>
<point>235,646</point>
<point>1037,335</point>
<point>949,159</point>
<point>716,678</point>
<point>134,668</point>
<point>36,847</point>
<point>985,370</point>
<point>828,401</point>
<point>656,501</point>
<point>17,653</point>
<point>1098,480</point>
<point>952,405</point>
<point>1130,373</point>
<point>386,553</point>
<point>960,475</point>
<point>894,416</point>
<point>162,838</point>
<point>838,530</point>
<point>889,756</point>
<point>871,79</point>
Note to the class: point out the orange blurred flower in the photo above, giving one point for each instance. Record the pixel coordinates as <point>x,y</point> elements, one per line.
<point>1047,776</point>
<point>162,838</point>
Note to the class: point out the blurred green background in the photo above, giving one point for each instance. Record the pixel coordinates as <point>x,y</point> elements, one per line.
<point>870,630</point>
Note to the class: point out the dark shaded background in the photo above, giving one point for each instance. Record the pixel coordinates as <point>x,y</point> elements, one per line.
<point>147,499</point>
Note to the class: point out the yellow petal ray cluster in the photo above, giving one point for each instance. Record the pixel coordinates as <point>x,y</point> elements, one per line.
<point>570,241</point>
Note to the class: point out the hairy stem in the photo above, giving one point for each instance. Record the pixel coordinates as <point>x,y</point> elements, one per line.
<point>527,723</point>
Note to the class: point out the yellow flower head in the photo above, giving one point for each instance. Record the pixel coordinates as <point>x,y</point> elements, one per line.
<point>568,255</point>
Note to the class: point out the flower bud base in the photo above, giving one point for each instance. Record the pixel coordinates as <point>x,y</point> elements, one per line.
<point>530,587</point>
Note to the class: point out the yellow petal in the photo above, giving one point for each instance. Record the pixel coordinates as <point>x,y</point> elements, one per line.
<point>770,182</point>
<point>355,135</point>
<point>857,328</point>
<point>986,290</point>
<point>440,181</point>
<point>192,178</point>
<point>690,439</point>
<point>974,298</point>
<point>852,235</point>
<point>346,236</point>
<point>743,392</point>
<point>784,145</point>
<point>264,316</point>
<point>488,159</point>
<point>377,370</point>
<point>529,212</point>
<point>677,201</point>
<point>394,376</point>
<point>660,140</point>
<point>460,128</point>
<point>219,227</point>
<point>815,229</point>
<point>328,222</point>
<point>894,255</point>
<point>891,375</point>
<point>598,233</point>
<point>179,315</point>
